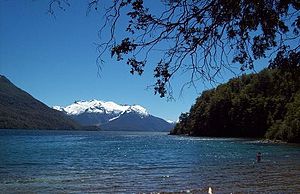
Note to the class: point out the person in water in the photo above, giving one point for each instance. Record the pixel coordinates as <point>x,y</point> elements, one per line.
<point>258,157</point>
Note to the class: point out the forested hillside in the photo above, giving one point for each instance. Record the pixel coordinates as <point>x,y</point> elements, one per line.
<point>19,110</point>
<point>266,104</point>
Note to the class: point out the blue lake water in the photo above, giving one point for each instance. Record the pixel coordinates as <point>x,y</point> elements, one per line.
<point>135,162</point>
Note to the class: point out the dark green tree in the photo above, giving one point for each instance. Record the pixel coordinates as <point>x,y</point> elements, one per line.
<point>288,128</point>
<point>181,127</point>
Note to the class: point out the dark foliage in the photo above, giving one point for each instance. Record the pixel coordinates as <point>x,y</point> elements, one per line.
<point>266,104</point>
<point>202,37</point>
<point>19,110</point>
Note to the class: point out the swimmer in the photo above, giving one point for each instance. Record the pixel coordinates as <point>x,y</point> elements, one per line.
<point>258,157</point>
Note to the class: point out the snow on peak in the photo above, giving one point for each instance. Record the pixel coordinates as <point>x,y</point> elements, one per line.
<point>139,109</point>
<point>59,108</point>
<point>170,121</point>
<point>97,106</point>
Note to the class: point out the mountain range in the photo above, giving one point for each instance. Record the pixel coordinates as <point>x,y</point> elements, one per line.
<point>19,110</point>
<point>113,116</point>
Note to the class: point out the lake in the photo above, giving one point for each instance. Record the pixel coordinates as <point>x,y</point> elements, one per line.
<point>136,162</point>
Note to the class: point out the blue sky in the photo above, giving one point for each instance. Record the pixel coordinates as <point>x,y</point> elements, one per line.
<point>54,59</point>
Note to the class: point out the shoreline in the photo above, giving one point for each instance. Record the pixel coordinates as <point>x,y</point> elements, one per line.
<point>258,140</point>
<point>275,141</point>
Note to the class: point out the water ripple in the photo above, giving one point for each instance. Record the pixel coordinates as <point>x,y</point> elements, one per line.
<point>106,162</point>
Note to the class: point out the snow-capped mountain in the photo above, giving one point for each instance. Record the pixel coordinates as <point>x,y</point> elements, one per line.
<point>113,116</point>
<point>97,106</point>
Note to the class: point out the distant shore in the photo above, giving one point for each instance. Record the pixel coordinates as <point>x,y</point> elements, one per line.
<point>262,141</point>
<point>270,141</point>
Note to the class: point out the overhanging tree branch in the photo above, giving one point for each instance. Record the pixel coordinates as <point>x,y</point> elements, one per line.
<point>202,37</point>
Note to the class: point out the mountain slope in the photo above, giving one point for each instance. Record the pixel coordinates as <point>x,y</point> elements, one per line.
<point>112,116</point>
<point>134,122</point>
<point>20,110</point>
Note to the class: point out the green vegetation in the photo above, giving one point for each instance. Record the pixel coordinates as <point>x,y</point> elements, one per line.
<point>19,110</point>
<point>266,104</point>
